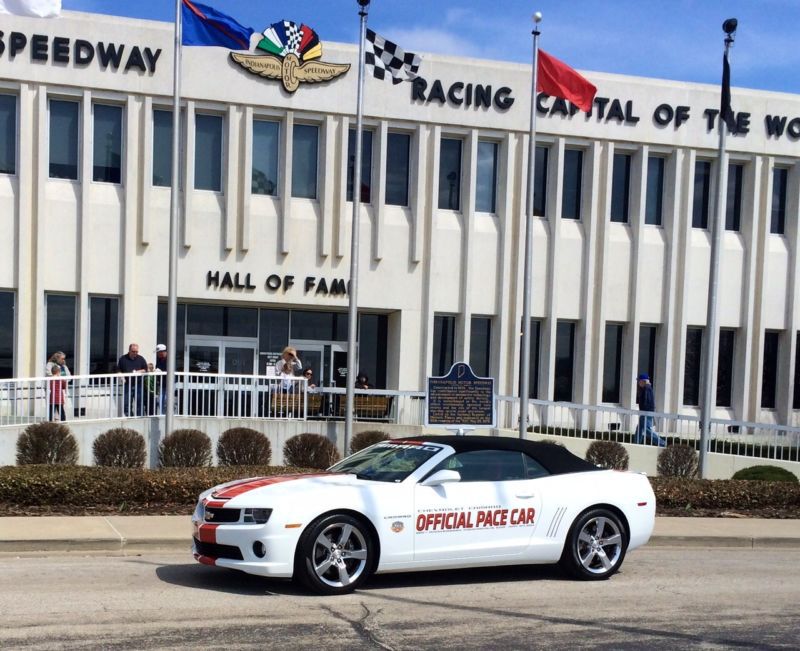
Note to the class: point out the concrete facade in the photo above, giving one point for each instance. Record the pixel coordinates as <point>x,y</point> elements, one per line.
<point>417,261</point>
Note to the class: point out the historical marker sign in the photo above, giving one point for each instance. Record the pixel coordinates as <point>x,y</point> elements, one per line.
<point>460,399</point>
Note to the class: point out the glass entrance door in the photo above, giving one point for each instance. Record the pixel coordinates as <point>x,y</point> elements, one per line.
<point>206,394</point>
<point>327,360</point>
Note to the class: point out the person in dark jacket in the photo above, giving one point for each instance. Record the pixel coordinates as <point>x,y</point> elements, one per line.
<point>133,387</point>
<point>646,402</point>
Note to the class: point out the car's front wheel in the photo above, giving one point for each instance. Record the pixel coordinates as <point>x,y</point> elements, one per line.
<point>335,554</point>
<point>595,546</point>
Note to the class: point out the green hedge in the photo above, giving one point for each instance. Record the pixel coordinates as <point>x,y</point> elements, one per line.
<point>725,494</point>
<point>90,486</point>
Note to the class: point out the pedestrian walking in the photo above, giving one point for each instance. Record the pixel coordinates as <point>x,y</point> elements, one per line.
<point>646,401</point>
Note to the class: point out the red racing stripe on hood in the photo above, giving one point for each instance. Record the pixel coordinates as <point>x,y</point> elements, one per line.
<point>251,484</point>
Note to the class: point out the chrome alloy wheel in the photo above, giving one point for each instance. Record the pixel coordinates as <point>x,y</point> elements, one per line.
<point>339,554</point>
<point>599,545</point>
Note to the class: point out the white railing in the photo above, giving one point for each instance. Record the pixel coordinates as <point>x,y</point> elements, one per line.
<point>623,425</point>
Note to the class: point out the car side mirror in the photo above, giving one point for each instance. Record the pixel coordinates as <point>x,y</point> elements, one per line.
<point>442,477</point>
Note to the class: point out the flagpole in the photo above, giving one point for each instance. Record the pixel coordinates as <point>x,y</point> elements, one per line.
<point>525,348</point>
<point>352,314</point>
<point>172,295</point>
<point>713,281</point>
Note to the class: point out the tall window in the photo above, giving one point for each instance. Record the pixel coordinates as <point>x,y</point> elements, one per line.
<point>620,188</point>
<point>769,374</point>
<point>796,396</point>
<point>486,190</point>
<point>60,334</point>
<point>450,174</point>
<point>8,134</point>
<point>480,344</point>
<point>653,209</point>
<point>180,332</point>
<point>725,368</point>
<point>647,351</point>
<point>305,140</point>
<point>571,194</point>
<point>398,147</point>
<point>64,119</point>
<point>107,161</point>
<point>266,143</point>
<point>533,360</point>
<point>444,329</point>
<point>780,176</point>
<point>373,332</point>
<point>702,192</point>
<point>7,335</point>
<point>540,181</point>
<point>366,164</point>
<point>208,152</point>
<point>162,148</point>
<point>733,206</point>
<point>565,360</point>
<point>612,362</point>
<point>103,334</point>
<point>691,367</point>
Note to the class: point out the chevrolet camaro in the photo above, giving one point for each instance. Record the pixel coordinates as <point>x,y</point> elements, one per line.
<point>427,503</point>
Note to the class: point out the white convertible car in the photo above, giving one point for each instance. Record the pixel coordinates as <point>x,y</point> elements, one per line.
<point>427,503</point>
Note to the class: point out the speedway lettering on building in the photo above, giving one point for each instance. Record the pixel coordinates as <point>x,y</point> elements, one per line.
<point>474,519</point>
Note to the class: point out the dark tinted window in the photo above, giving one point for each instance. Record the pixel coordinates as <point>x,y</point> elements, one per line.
<point>691,369</point>
<point>780,177</point>
<point>702,192</point>
<point>319,326</point>
<point>162,147</point>
<point>398,146</point>
<point>266,143</point>
<point>540,181</point>
<point>372,347</point>
<point>366,164</point>
<point>533,360</point>
<point>64,120</point>
<point>620,188</point>
<point>733,206</point>
<point>61,328</point>
<point>486,177</point>
<point>443,343</point>
<point>107,160</point>
<point>647,351</point>
<point>612,362</point>
<point>655,191</point>
<point>769,376</point>
<point>450,174</point>
<point>305,141</point>
<point>480,344</point>
<point>7,335</point>
<point>222,321</point>
<point>725,368</point>
<point>103,334</point>
<point>208,152</point>
<point>180,331</point>
<point>571,194</point>
<point>8,134</point>
<point>565,348</point>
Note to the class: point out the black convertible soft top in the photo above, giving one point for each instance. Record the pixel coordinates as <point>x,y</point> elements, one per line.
<point>556,459</point>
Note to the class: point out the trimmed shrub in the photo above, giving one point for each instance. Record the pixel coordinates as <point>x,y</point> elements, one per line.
<point>608,454</point>
<point>677,461</point>
<point>310,451</point>
<point>185,448</point>
<point>120,448</point>
<point>765,473</point>
<point>243,446</point>
<point>47,443</point>
<point>366,438</point>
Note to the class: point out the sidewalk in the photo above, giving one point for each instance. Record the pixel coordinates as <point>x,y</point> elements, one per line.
<point>139,534</point>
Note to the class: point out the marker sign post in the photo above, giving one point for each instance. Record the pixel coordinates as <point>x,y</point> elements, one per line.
<point>460,400</point>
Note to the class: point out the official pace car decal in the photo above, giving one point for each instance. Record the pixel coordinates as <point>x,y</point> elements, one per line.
<point>474,518</point>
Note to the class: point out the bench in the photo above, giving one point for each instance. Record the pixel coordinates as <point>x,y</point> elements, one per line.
<point>291,405</point>
<point>368,407</point>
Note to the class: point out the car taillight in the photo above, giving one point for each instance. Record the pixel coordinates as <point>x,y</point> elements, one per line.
<point>256,516</point>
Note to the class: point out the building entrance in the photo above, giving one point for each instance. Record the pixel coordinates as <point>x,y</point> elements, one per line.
<point>328,360</point>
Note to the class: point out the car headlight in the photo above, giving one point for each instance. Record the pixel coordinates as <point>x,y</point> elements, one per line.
<point>199,512</point>
<point>256,516</point>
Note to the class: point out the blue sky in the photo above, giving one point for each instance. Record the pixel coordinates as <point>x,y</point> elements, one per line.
<point>670,39</point>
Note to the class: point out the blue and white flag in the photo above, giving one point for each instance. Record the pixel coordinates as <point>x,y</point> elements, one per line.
<point>204,25</point>
<point>36,8</point>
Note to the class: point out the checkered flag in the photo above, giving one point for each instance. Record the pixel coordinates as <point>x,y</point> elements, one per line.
<point>293,36</point>
<point>384,56</point>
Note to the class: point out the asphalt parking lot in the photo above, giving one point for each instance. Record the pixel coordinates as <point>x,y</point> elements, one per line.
<point>664,598</point>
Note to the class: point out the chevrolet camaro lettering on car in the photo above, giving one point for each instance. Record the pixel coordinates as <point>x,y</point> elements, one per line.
<point>427,503</point>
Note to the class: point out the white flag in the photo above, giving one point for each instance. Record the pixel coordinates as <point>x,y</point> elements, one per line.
<point>38,8</point>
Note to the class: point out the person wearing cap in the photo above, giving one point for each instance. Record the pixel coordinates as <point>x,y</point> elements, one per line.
<point>161,366</point>
<point>646,402</point>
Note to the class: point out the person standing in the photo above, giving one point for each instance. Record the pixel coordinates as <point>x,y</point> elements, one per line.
<point>58,360</point>
<point>288,356</point>
<point>133,389</point>
<point>646,401</point>
<point>57,388</point>
<point>161,380</point>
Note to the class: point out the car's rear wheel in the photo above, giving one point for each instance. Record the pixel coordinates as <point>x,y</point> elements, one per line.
<point>595,546</point>
<point>335,554</point>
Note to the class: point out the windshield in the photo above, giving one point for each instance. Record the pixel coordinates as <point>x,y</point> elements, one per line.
<point>391,461</point>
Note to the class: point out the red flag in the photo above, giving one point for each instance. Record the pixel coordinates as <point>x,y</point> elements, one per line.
<point>557,79</point>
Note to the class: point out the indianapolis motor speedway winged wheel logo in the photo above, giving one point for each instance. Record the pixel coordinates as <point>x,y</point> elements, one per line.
<point>290,53</point>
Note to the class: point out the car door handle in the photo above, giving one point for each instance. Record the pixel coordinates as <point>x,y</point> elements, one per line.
<point>525,496</point>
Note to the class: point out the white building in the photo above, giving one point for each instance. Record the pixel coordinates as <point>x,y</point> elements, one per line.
<point>621,244</point>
